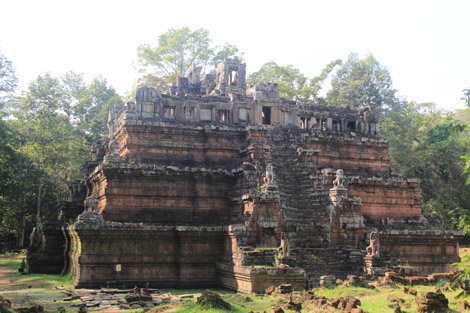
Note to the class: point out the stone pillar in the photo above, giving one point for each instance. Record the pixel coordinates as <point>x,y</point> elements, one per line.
<point>329,124</point>
<point>372,264</point>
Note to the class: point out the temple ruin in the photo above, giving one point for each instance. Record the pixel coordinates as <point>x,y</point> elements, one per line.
<point>199,187</point>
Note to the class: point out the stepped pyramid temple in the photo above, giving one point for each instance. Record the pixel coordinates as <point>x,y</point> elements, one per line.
<point>199,187</point>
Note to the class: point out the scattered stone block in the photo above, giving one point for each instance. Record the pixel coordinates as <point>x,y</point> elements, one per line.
<point>270,290</point>
<point>309,295</point>
<point>277,309</point>
<point>392,304</point>
<point>463,305</point>
<point>285,288</point>
<point>433,302</point>
<point>397,309</point>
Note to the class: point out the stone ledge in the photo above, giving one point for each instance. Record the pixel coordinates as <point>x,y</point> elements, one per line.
<point>146,227</point>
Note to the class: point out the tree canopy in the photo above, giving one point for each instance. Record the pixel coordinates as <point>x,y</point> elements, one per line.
<point>44,142</point>
<point>422,146</point>
<point>8,81</point>
<point>176,50</point>
<point>293,85</point>
<point>360,83</point>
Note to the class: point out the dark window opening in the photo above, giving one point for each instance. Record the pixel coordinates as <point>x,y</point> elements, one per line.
<point>337,126</point>
<point>169,111</point>
<point>223,116</point>
<point>189,113</point>
<point>344,226</point>
<point>266,115</point>
<point>351,126</point>
<point>305,122</point>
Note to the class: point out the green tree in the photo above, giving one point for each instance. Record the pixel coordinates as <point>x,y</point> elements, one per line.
<point>361,82</point>
<point>8,81</point>
<point>293,85</point>
<point>177,49</point>
<point>289,79</point>
<point>55,121</point>
<point>421,146</point>
<point>92,106</point>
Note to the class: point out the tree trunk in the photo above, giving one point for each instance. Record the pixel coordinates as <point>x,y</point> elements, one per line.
<point>21,230</point>
<point>38,211</point>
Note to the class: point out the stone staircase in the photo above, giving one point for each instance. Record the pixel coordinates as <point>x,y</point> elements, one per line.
<point>317,262</point>
<point>304,200</point>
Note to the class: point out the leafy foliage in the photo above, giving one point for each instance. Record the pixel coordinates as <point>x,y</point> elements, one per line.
<point>361,82</point>
<point>421,145</point>
<point>177,49</point>
<point>289,79</point>
<point>45,142</point>
<point>293,85</point>
<point>8,81</point>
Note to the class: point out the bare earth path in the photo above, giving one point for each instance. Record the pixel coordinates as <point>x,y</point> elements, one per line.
<point>27,290</point>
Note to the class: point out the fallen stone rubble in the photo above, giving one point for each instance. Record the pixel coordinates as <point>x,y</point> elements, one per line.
<point>113,298</point>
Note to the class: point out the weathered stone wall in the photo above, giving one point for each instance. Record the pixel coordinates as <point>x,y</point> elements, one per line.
<point>355,155</point>
<point>163,194</point>
<point>429,251</point>
<point>248,279</point>
<point>391,197</point>
<point>181,146</point>
<point>163,256</point>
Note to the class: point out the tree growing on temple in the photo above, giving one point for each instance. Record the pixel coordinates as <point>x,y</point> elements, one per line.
<point>176,50</point>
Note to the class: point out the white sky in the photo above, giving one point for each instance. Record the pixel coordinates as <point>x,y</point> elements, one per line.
<point>424,44</point>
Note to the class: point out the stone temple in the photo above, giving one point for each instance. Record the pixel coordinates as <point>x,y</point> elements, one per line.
<point>199,187</point>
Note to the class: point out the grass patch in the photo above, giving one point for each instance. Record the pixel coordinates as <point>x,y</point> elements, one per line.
<point>12,263</point>
<point>342,291</point>
<point>240,303</point>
